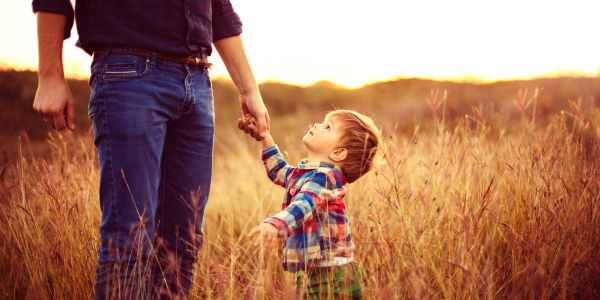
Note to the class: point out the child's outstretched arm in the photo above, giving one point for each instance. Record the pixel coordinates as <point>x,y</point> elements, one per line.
<point>277,168</point>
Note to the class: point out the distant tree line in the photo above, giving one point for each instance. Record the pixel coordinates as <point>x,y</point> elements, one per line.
<point>402,101</point>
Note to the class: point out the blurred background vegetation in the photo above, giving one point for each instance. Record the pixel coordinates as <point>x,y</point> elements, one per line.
<point>486,191</point>
<point>396,105</point>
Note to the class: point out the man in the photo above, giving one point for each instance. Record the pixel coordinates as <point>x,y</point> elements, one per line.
<point>152,110</point>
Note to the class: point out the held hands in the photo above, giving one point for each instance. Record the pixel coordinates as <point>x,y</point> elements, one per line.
<point>250,126</point>
<point>252,105</point>
<point>266,233</point>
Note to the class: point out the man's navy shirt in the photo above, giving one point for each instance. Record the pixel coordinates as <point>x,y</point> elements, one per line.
<point>175,27</point>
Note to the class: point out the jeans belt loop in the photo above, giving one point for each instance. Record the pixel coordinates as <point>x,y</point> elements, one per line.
<point>104,55</point>
<point>153,59</point>
<point>203,60</point>
<point>106,52</point>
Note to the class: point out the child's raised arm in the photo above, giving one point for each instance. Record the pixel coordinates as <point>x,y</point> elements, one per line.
<point>277,168</point>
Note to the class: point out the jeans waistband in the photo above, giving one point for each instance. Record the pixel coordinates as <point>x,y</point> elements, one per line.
<point>191,60</point>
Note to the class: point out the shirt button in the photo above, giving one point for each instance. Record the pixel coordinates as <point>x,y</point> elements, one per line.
<point>188,11</point>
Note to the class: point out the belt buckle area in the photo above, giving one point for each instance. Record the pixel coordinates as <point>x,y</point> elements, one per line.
<point>193,61</point>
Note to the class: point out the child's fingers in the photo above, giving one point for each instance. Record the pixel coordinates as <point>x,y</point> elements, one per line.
<point>247,128</point>
<point>269,242</point>
<point>258,237</point>
<point>252,127</point>
<point>254,231</point>
<point>246,125</point>
<point>266,242</point>
<point>257,240</point>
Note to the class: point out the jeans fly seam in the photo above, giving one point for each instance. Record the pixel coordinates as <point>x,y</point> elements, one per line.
<point>189,93</point>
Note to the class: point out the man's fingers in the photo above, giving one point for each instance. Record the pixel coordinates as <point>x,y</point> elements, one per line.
<point>268,121</point>
<point>70,115</point>
<point>60,122</point>
<point>50,120</point>
<point>240,124</point>
<point>262,126</point>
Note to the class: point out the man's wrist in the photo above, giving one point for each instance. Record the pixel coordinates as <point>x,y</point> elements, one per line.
<point>51,74</point>
<point>248,91</point>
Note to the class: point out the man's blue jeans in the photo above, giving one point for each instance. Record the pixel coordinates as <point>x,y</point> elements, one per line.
<point>153,129</point>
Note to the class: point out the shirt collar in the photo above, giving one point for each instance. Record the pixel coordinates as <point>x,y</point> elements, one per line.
<point>305,165</point>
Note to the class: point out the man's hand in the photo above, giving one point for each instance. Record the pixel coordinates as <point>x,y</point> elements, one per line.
<point>267,233</point>
<point>252,104</point>
<point>53,100</point>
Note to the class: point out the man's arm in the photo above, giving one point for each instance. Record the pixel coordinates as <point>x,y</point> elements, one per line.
<point>53,99</point>
<point>231,50</point>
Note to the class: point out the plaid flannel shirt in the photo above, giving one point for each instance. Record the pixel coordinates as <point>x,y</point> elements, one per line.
<point>313,221</point>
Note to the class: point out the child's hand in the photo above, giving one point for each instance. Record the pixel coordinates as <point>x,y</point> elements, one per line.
<point>267,233</point>
<point>250,126</point>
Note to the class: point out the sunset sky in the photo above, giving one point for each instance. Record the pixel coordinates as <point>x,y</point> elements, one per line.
<point>356,42</point>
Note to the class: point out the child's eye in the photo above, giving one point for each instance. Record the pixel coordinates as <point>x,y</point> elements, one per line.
<point>328,128</point>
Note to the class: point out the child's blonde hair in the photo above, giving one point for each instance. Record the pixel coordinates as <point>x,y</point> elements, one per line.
<point>361,138</point>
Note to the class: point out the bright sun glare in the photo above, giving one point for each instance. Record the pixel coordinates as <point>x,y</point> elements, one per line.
<point>355,42</point>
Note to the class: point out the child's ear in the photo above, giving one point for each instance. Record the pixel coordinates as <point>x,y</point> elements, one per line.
<point>338,154</point>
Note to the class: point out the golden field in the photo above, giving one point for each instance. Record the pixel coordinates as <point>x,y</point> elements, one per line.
<point>489,204</point>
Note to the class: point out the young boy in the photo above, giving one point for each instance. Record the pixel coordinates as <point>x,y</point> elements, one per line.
<point>313,222</point>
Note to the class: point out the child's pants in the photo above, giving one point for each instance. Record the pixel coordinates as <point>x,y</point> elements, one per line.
<point>342,282</point>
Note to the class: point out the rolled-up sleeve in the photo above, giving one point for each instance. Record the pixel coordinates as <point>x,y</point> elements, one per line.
<point>61,7</point>
<point>225,21</point>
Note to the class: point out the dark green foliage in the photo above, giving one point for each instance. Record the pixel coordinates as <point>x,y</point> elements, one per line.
<point>402,101</point>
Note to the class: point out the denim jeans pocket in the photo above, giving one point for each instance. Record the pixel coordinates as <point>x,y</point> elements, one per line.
<point>121,69</point>
<point>125,67</point>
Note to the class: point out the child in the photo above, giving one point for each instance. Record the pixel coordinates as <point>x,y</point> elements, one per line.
<point>313,222</point>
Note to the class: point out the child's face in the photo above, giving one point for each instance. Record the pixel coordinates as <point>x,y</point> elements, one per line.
<point>322,139</point>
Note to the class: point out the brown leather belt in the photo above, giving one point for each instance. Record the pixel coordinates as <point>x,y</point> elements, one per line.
<point>189,61</point>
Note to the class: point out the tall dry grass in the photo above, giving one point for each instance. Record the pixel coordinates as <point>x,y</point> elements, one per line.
<point>483,210</point>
